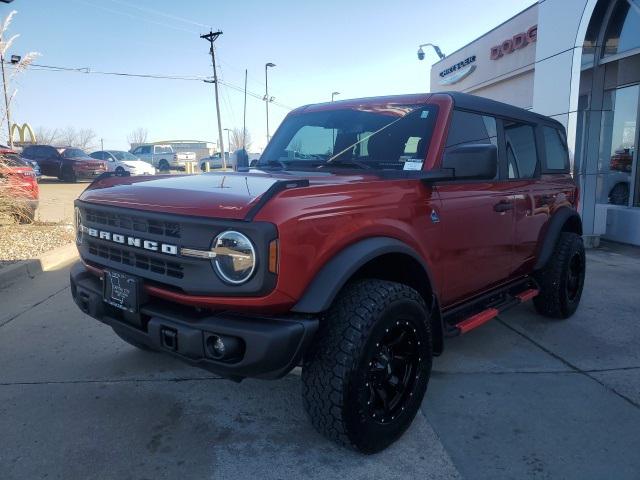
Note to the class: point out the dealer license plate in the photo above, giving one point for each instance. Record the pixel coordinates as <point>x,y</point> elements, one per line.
<point>121,291</point>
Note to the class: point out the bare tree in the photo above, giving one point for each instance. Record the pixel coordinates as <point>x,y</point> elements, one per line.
<point>237,140</point>
<point>47,136</point>
<point>68,137</point>
<point>137,136</point>
<point>84,138</point>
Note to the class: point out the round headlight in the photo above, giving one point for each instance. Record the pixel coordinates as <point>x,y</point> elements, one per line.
<point>78,225</point>
<point>235,257</point>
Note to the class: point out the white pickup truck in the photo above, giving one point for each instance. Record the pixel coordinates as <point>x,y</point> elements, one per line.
<point>163,157</point>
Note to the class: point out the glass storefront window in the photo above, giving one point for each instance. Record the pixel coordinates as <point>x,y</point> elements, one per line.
<point>618,136</point>
<point>623,31</point>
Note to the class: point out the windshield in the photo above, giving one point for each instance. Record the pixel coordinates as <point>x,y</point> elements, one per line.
<point>124,156</point>
<point>163,149</point>
<point>391,137</point>
<point>73,152</point>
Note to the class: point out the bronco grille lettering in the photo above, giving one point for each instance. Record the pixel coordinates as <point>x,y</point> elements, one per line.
<point>132,241</point>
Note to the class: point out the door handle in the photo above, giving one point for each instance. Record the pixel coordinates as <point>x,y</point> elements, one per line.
<point>503,206</point>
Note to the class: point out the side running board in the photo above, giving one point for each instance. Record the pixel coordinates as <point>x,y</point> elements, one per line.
<point>477,319</point>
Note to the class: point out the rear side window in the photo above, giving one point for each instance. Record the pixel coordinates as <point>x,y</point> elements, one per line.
<point>32,152</point>
<point>467,127</point>
<point>555,149</point>
<point>520,143</point>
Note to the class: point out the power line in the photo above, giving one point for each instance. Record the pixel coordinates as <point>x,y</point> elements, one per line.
<point>160,13</point>
<point>188,78</point>
<point>135,17</point>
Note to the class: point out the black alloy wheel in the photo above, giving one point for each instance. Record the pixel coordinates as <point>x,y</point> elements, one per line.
<point>393,371</point>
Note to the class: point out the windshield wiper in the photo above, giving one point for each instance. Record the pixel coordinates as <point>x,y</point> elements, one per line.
<point>272,164</point>
<point>346,163</point>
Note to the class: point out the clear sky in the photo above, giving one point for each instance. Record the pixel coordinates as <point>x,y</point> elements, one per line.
<point>359,48</point>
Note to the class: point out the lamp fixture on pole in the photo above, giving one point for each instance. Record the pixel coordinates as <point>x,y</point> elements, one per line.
<point>435,48</point>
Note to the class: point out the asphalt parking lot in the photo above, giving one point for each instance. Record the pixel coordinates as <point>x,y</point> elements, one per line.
<point>522,397</point>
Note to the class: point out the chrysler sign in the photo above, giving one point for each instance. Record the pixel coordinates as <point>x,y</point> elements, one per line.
<point>457,72</point>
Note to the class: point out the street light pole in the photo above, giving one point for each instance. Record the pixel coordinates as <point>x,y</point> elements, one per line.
<point>211,37</point>
<point>266,92</point>
<point>333,94</point>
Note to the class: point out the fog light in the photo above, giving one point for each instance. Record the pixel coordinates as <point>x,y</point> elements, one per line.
<point>220,347</point>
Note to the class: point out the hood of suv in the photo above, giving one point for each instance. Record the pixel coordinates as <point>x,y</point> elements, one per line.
<point>219,195</point>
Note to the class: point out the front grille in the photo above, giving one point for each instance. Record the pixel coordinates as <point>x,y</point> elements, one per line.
<point>133,223</point>
<point>137,260</point>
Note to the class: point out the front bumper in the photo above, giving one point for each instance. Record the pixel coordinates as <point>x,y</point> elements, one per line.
<point>272,347</point>
<point>88,174</point>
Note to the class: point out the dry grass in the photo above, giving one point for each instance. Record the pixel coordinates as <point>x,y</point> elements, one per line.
<point>13,193</point>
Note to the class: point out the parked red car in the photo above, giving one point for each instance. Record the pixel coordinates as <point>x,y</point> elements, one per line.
<point>369,230</point>
<point>66,163</point>
<point>19,191</point>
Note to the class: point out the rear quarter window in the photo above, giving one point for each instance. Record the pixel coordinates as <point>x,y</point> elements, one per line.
<point>555,146</point>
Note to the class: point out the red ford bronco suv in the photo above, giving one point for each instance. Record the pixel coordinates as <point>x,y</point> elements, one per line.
<point>369,231</point>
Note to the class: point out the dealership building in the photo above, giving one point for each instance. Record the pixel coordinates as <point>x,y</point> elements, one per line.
<point>577,61</point>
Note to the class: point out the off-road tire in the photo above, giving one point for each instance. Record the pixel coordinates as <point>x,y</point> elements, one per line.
<point>336,368</point>
<point>559,296</point>
<point>163,166</point>
<point>135,343</point>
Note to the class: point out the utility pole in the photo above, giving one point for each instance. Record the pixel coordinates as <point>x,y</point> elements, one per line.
<point>6,103</point>
<point>102,144</point>
<point>244,115</point>
<point>211,37</point>
<point>266,95</point>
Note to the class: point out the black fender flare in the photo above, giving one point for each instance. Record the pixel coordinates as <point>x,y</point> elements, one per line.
<point>550,235</point>
<point>324,287</point>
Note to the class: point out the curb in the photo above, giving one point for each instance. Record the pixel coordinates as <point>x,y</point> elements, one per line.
<point>28,269</point>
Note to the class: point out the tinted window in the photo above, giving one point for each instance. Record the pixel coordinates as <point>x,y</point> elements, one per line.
<point>144,150</point>
<point>98,155</point>
<point>47,152</point>
<point>30,152</point>
<point>554,147</point>
<point>163,149</point>
<point>469,127</point>
<point>73,153</point>
<point>521,149</point>
<point>123,155</point>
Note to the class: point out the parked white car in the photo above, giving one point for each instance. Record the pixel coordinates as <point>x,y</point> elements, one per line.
<point>119,161</point>
<point>163,157</point>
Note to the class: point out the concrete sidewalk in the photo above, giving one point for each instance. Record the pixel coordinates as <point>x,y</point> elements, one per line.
<point>522,397</point>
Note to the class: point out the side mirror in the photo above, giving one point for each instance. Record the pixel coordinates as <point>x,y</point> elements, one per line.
<point>472,161</point>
